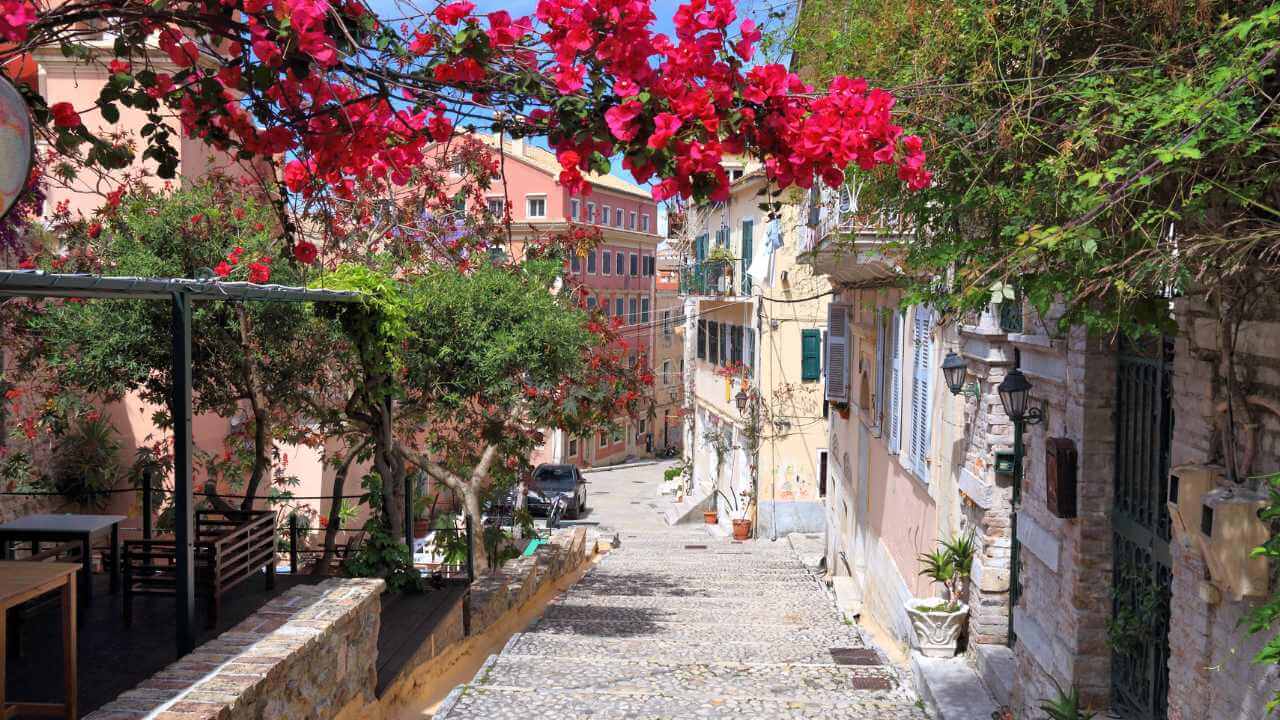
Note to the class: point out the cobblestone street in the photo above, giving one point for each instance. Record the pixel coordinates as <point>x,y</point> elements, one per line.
<point>677,623</point>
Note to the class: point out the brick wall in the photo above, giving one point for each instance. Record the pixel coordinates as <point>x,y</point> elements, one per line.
<point>306,654</point>
<point>1210,673</point>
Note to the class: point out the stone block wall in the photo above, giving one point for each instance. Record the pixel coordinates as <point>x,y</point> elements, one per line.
<point>1065,574</point>
<point>308,653</point>
<point>1210,673</point>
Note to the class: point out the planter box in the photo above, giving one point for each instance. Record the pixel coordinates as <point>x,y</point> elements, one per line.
<point>936,630</point>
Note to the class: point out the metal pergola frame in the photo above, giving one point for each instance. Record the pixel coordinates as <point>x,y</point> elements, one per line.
<point>180,293</point>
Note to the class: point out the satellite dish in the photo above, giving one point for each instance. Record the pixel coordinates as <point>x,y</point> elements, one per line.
<point>17,145</point>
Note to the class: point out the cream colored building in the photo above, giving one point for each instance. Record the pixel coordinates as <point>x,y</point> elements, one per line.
<point>755,322</point>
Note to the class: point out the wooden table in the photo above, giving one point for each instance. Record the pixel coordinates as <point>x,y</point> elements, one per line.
<point>63,528</point>
<point>23,581</point>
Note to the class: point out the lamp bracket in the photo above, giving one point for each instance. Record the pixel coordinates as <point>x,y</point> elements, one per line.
<point>1033,416</point>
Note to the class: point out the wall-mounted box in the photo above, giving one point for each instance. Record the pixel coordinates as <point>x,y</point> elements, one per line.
<point>1004,462</point>
<point>1230,529</point>
<point>1060,476</point>
<point>1187,487</point>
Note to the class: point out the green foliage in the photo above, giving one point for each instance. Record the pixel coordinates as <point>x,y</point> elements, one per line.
<point>85,463</point>
<point>380,554</point>
<point>1071,142</point>
<point>1066,706</point>
<point>1266,617</point>
<point>950,565</point>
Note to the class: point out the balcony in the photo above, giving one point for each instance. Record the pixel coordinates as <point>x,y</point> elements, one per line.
<point>848,246</point>
<point>712,277</point>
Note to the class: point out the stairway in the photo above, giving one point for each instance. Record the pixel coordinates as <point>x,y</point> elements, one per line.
<point>678,624</point>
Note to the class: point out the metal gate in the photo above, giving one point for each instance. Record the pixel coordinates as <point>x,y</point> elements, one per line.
<point>1139,627</point>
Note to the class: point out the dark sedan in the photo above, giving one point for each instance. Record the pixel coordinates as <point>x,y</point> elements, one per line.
<point>552,481</point>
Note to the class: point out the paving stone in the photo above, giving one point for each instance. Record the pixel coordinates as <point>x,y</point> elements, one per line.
<point>663,630</point>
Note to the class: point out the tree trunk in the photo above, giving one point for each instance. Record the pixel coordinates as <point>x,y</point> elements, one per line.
<point>335,509</point>
<point>471,504</point>
<point>261,416</point>
<point>469,490</point>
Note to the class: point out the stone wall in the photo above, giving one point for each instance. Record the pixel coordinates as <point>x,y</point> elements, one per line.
<point>308,653</point>
<point>1210,673</point>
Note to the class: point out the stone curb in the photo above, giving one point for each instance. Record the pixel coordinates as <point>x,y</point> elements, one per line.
<point>620,466</point>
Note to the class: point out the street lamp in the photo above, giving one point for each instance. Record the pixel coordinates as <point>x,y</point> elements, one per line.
<point>1014,391</point>
<point>741,400</point>
<point>954,368</point>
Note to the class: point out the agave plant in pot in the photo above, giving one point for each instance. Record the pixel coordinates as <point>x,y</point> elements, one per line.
<point>937,621</point>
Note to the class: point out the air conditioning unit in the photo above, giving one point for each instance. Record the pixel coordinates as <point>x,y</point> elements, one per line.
<point>1187,487</point>
<point>1230,528</point>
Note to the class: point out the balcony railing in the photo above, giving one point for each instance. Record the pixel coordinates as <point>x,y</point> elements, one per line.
<point>710,277</point>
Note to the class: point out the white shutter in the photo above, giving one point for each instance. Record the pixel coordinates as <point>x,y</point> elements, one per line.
<point>922,381</point>
<point>837,352</point>
<point>878,402</point>
<point>895,384</point>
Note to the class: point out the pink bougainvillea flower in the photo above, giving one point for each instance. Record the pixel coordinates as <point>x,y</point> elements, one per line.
<point>95,229</point>
<point>665,125</point>
<point>453,13</point>
<point>65,115</point>
<point>745,47</point>
<point>422,43</point>
<point>620,119</point>
<point>296,175</point>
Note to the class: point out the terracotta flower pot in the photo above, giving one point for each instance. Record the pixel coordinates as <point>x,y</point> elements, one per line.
<point>709,517</point>
<point>741,529</point>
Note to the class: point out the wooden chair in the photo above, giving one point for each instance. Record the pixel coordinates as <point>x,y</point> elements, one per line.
<point>230,547</point>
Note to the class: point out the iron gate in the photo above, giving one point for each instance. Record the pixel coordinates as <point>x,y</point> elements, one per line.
<point>1139,628</point>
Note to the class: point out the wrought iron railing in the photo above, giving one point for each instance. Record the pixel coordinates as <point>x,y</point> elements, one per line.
<point>705,278</point>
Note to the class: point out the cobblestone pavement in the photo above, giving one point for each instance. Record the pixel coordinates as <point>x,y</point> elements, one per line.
<point>676,623</point>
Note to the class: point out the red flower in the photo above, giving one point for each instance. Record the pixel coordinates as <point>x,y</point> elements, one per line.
<point>239,213</point>
<point>422,43</point>
<point>118,66</point>
<point>65,115</point>
<point>305,252</point>
<point>222,269</point>
<point>259,272</point>
<point>296,176</point>
<point>95,229</point>
<point>195,219</point>
<point>453,13</point>
<point>27,264</point>
<point>665,125</point>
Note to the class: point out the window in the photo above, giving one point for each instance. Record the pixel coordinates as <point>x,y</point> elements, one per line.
<point>536,206</point>
<point>644,310</point>
<point>605,305</point>
<point>631,305</point>
<point>631,221</point>
<point>617,436</point>
<point>608,262</point>
<point>751,349</point>
<point>644,222</point>
<point>618,309</point>
<point>822,473</point>
<point>810,355</point>
<point>573,447</point>
<point>635,265</point>
<point>591,212</point>
<point>622,261</point>
<point>617,217</point>
<point>604,440</point>
<point>895,384</point>
<point>591,302</point>
<point>604,215</point>
<point>921,390</point>
<point>666,322</point>
<point>724,344</point>
<point>713,342</point>
<point>591,262</point>
<point>575,206</point>
<point>702,339</point>
<point>734,173</point>
<point>575,263</point>
<point>735,343</point>
<point>666,372</point>
<point>747,253</point>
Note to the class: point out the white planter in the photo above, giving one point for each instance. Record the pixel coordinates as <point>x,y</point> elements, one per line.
<point>936,630</point>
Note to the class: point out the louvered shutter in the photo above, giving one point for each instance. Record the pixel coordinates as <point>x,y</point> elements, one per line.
<point>837,352</point>
<point>922,380</point>
<point>747,253</point>
<point>882,353</point>
<point>895,385</point>
<point>702,339</point>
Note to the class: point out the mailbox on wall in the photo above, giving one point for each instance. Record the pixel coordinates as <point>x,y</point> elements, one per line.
<point>1229,528</point>
<point>1060,476</point>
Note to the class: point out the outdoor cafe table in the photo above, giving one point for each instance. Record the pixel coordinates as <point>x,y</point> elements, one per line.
<point>23,581</point>
<point>63,528</point>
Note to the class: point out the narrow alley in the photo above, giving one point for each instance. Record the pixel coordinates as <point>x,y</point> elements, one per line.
<point>677,623</point>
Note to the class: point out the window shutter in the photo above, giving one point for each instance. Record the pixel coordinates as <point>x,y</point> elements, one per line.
<point>837,352</point>
<point>747,252</point>
<point>810,354</point>
<point>713,342</point>
<point>702,339</point>
<point>895,384</point>
<point>751,349</point>
<point>921,389</point>
<point>878,403</point>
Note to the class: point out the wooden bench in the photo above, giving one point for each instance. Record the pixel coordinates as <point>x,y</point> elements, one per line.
<point>230,547</point>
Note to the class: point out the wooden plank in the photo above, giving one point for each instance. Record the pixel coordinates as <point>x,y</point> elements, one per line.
<point>21,581</point>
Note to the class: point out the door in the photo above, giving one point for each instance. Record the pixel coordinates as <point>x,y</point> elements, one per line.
<point>1139,629</point>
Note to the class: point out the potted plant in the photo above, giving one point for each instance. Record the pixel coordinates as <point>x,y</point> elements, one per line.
<point>938,622</point>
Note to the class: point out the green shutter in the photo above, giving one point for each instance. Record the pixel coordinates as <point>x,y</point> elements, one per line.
<point>746,256</point>
<point>810,354</point>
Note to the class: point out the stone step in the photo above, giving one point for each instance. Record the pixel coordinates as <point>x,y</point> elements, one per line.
<point>812,600</point>
<point>668,586</point>
<point>823,684</point>
<point>484,703</point>
<point>807,638</point>
<point>745,616</point>
<point>706,571</point>
<point>703,558</point>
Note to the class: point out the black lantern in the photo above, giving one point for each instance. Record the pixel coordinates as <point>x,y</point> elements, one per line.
<point>741,400</point>
<point>954,369</point>
<point>1014,391</point>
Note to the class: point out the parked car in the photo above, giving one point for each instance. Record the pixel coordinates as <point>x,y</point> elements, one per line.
<point>551,481</point>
